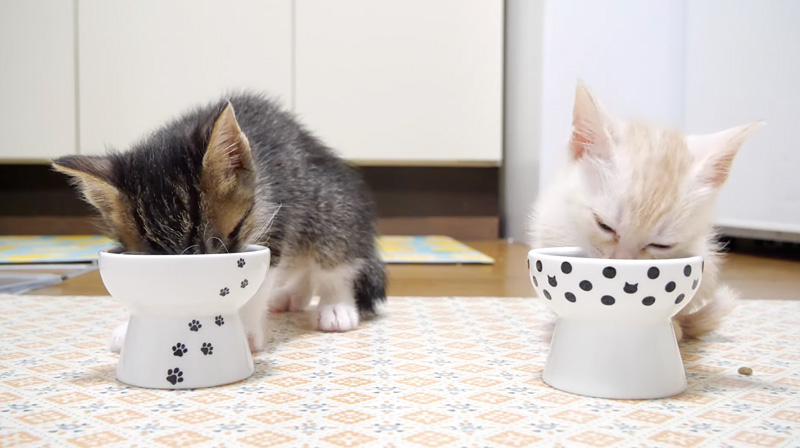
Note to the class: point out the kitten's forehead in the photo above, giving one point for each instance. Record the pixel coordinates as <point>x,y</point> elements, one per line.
<point>161,187</point>
<point>653,164</point>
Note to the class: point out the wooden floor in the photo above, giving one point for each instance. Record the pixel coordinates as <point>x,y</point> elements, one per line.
<point>754,276</point>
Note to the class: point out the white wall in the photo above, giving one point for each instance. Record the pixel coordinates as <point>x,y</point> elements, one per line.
<point>410,80</point>
<point>37,79</point>
<point>744,65</point>
<point>630,52</point>
<point>522,126</point>
<point>143,62</point>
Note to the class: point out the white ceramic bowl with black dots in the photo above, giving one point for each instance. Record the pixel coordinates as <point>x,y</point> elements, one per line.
<point>614,336</point>
<point>184,331</point>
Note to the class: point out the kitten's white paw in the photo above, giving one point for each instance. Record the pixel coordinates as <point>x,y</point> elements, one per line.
<point>255,327</point>
<point>292,302</point>
<point>117,338</point>
<point>337,317</point>
<point>257,341</point>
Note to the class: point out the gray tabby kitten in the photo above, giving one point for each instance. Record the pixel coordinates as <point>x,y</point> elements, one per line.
<point>213,181</point>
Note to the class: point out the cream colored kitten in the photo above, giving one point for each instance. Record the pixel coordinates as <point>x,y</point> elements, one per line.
<point>634,190</point>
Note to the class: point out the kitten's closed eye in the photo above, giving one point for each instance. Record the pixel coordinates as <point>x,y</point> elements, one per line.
<point>605,227</point>
<point>660,246</point>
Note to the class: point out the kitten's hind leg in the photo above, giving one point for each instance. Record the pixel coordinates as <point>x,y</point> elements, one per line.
<point>294,289</point>
<point>337,310</point>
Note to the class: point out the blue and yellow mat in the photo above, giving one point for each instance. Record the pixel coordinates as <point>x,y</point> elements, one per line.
<point>84,248</point>
<point>429,250</point>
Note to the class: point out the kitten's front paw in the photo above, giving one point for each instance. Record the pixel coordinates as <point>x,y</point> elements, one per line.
<point>255,327</point>
<point>117,338</point>
<point>337,317</point>
<point>257,341</point>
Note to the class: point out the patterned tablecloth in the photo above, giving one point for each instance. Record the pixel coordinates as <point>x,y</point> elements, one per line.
<point>460,372</point>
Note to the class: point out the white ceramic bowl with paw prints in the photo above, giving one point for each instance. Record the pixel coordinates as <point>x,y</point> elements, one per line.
<point>184,331</point>
<point>614,336</point>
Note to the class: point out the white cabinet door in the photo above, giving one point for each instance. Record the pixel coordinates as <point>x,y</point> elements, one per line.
<point>144,61</point>
<point>743,64</point>
<point>37,79</point>
<point>411,80</point>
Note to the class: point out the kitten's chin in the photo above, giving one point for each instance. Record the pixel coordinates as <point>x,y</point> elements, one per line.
<point>594,252</point>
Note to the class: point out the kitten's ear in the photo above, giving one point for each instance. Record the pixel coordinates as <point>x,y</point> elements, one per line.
<point>714,153</point>
<point>229,174</point>
<point>228,162</point>
<point>95,177</point>
<point>591,126</point>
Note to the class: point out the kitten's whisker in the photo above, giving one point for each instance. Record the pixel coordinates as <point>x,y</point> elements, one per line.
<point>193,245</point>
<point>256,236</point>
<point>268,225</point>
<point>220,242</point>
<point>205,229</point>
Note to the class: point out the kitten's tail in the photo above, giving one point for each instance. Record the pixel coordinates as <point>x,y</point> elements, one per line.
<point>370,285</point>
<point>708,317</point>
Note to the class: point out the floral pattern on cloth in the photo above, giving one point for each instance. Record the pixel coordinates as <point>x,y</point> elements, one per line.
<point>455,372</point>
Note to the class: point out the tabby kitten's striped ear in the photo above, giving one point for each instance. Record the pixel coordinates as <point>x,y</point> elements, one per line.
<point>228,163</point>
<point>95,178</point>
<point>229,174</point>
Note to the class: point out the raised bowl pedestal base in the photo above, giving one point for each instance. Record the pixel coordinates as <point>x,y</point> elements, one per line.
<point>184,352</point>
<point>617,360</point>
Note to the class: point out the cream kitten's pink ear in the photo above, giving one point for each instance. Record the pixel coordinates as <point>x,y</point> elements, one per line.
<point>714,153</point>
<point>591,126</point>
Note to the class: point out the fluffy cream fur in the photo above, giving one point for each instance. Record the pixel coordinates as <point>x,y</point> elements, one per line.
<point>635,190</point>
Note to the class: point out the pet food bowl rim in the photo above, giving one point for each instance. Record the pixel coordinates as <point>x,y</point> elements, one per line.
<point>562,254</point>
<point>249,250</point>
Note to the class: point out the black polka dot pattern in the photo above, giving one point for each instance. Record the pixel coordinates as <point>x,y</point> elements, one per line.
<point>611,289</point>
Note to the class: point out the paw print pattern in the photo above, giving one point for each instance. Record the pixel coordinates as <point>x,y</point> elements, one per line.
<point>174,376</point>
<point>241,263</point>
<point>179,349</point>
<point>207,348</point>
<point>195,325</point>
<point>219,321</point>
<point>245,283</point>
<point>224,292</point>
